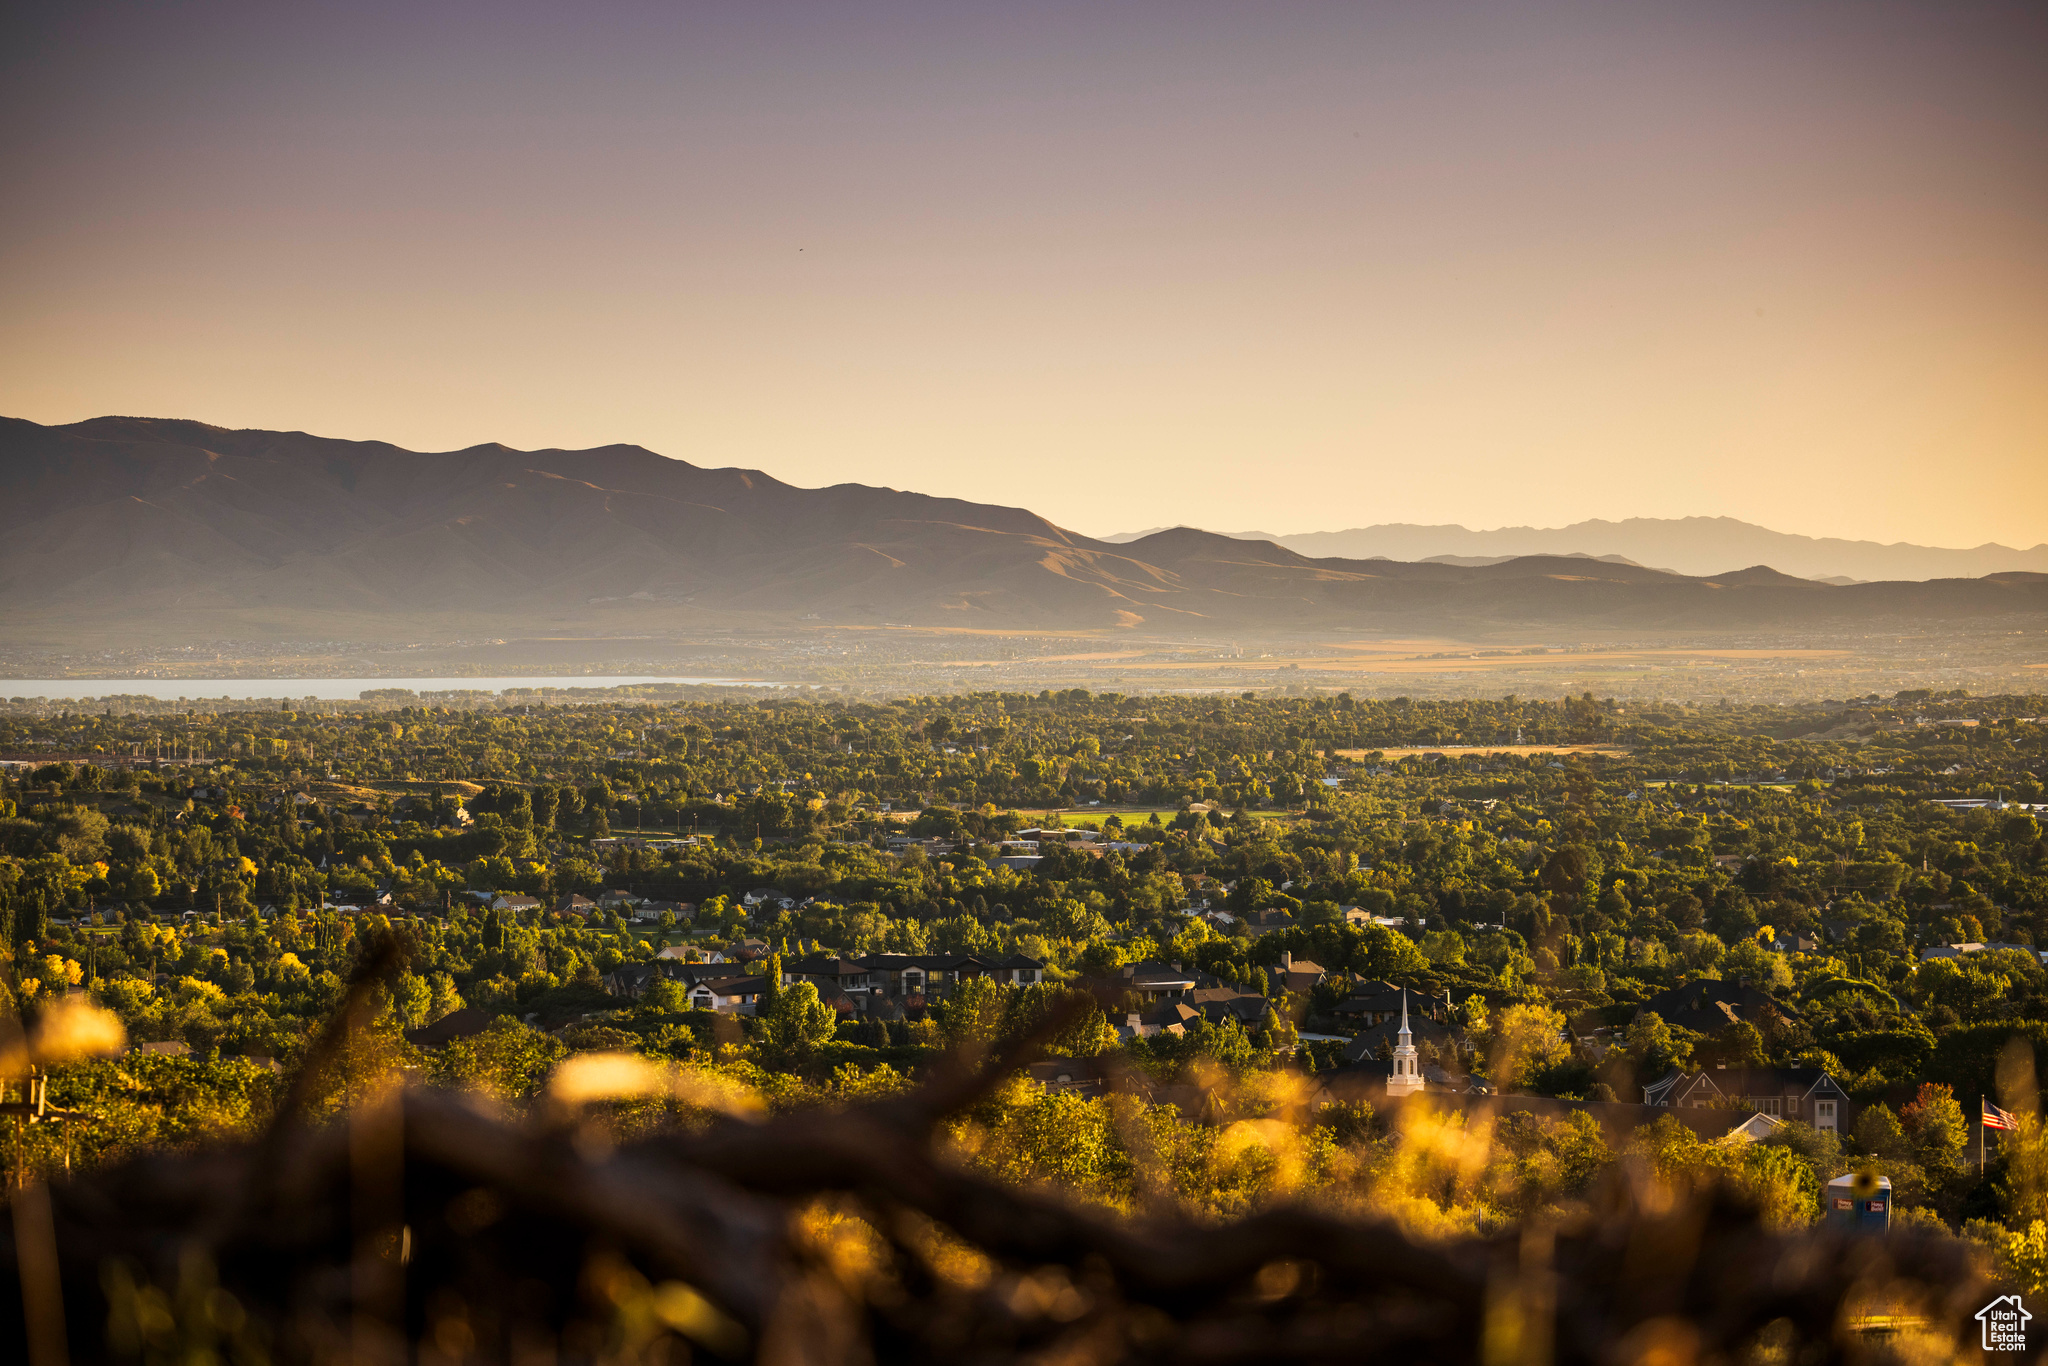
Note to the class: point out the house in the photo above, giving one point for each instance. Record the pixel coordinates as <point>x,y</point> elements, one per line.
<point>831,976</point>
<point>1381,1038</point>
<point>572,904</point>
<point>727,995</point>
<point>1807,1094</point>
<point>1156,981</point>
<point>1076,1076</point>
<point>1268,920</point>
<point>1021,969</point>
<point>653,910</point>
<point>617,900</point>
<point>1167,1017</point>
<point>1707,1007</point>
<point>1376,1002</point>
<point>767,899</point>
<point>1298,976</point>
<point>1755,1128</point>
<point>515,903</point>
<point>631,980</point>
<point>683,951</point>
<point>1218,1004</point>
<point>932,975</point>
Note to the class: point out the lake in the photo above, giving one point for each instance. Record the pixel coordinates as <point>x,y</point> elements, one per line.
<point>324,689</point>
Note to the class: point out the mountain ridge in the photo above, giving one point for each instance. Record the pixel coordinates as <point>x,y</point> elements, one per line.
<point>1687,545</point>
<point>118,526</point>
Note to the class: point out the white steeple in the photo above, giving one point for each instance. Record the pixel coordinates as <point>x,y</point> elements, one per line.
<point>1407,1078</point>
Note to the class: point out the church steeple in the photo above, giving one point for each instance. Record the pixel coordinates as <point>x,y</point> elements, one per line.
<point>1407,1078</point>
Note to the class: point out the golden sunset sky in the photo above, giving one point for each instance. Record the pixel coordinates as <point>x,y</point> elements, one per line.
<point>1286,266</point>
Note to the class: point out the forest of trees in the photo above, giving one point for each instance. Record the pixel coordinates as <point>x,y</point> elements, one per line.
<point>221,901</point>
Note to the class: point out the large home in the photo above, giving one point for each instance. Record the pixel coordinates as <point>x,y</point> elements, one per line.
<point>1707,1007</point>
<point>933,975</point>
<point>654,910</point>
<point>1156,981</point>
<point>1378,1041</point>
<point>1297,975</point>
<point>572,904</point>
<point>1018,969</point>
<point>515,903</point>
<point>631,980</point>
<point>1166,1017</point>
<point>1080,1076</point>
<point>1376,1002</point>
<point>1248,1008</point>
<point>1269,919</point>
<point>727,995</point>
<point>1807,1094</point>
<point>833,977</point>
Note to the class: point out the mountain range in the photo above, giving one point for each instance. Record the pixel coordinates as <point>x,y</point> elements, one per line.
<point>126,528</point>
<point>1684,545</point>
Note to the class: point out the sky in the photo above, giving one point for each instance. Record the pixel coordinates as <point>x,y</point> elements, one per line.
<point>1287,266</point>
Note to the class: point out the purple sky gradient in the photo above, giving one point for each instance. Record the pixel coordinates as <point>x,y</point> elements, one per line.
<point>1288,266</point>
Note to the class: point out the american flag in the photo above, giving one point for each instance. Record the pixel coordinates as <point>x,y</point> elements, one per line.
<point>1995,1118</point>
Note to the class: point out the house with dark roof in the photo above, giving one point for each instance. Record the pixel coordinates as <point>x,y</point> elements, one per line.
<point>727,995</point>
<point>835,977</point>
<point>1267,920</point>
<point>1166,1017</point>
<point>631,980</point>
<point>1156,981</point>
<point>1707,1007</point>
<point>931,976</point>
<point>1297,975</point>
<point>1807,1094</point>
<point>1075,1076</point>
<point>1374,1040</point>
<point>1222,1003</point>
<point>1376,1002</point>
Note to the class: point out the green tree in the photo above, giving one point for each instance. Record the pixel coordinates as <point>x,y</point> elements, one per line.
<point>975,1012</point>
<point>508,1061</point>
<point>663,996</point>
<point>797,1024</point>
<point>1939,1132</point>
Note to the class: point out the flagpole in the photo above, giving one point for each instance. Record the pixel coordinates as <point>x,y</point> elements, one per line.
<point>1980,1138</point>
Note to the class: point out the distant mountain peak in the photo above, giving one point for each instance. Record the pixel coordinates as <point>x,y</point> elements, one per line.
<point>1696,545</point>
